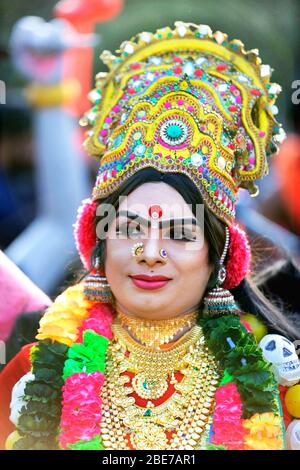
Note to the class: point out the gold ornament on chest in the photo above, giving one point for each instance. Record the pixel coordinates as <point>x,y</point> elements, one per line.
<point>182,420</point>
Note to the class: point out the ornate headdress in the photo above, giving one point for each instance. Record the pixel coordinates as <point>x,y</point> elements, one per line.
<point>184,100</point>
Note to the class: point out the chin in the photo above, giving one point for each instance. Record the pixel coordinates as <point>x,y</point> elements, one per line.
<point>150,309</point>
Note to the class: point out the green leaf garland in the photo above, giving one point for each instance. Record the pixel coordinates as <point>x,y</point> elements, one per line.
<point>237,352</point>
<point>39,420</point>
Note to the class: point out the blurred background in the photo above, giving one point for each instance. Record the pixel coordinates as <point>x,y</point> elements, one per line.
<point>49,54</point>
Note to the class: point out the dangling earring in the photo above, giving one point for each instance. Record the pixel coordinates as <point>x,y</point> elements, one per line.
<point>96,286</point>
<point>219,301</point>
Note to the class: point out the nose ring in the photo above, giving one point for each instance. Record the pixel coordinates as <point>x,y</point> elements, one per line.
<point>137,249</point>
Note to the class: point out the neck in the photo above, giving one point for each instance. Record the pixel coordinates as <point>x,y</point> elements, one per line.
<point>157,333</point>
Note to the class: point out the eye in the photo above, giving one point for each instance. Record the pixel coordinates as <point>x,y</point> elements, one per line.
<point>133,231</point>
<point>129,230</point>
<point>179,234</point>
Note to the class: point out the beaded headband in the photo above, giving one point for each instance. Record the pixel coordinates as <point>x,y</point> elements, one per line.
<point>187,101</point>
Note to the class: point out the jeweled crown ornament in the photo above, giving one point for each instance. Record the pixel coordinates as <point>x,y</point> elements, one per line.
<point>188,101</point>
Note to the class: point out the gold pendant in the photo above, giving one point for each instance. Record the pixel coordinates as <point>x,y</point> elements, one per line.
<point>148,387</point>
<point>149,438</point>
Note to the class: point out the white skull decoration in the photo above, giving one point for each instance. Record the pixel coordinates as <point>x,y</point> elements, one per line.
<point>293,435</point>
<point>282,354</point>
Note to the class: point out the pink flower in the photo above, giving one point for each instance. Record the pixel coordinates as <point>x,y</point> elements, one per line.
<point>99,320</point>
<point>81,407</point>
<point>247,326</point>
<point>227,425</point>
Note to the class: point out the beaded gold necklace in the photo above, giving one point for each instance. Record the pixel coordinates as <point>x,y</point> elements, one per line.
<point>154,333</point>
<point>179,422</point>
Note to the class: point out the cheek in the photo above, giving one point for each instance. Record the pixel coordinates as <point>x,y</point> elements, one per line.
<point>118,256</point>
<point>194,263</point>
<point>112,254</point>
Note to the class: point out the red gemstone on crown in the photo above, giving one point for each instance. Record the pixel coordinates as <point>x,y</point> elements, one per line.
<point>177,70</point>
<point>221,67</point>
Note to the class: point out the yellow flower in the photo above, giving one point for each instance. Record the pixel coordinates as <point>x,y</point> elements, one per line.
<point>11,440</point>
<point>63,318</point>
<point>264,432</point>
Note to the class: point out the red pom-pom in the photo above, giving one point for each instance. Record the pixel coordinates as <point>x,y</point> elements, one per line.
<point>239,255</point>
<point>85,232</point>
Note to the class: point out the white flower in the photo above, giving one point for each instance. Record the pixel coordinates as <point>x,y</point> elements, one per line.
<point>17,401</point>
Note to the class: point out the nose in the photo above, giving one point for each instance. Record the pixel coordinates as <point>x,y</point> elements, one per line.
<point>151,255</point>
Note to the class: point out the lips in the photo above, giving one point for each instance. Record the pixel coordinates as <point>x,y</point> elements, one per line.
<point>149,282</point>
<point>144,277</point>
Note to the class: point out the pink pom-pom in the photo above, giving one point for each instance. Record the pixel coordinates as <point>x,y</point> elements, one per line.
<point>85,232</point>
<point>239,256</point>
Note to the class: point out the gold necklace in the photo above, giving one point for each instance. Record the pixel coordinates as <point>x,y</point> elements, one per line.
<point>154,333</point>
<point>143,357</point>
<point>186,414</point>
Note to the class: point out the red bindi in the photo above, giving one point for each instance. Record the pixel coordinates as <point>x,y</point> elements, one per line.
<point>155,211</point>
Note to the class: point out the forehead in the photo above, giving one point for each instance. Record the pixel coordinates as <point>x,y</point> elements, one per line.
<point>156,193</point>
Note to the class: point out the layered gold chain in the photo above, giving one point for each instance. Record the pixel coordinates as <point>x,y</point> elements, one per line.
<point>182,420</point>
<point>154,333</point>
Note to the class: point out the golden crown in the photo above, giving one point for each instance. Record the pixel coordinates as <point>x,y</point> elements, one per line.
<point>188,101</point>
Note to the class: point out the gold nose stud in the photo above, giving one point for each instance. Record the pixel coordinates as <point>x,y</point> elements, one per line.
<point>137,249</point>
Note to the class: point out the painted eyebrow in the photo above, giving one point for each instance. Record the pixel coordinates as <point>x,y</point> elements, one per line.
<point>162,223</point>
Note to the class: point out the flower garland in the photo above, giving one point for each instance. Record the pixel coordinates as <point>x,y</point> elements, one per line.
<point>84,377</point>
<point>227,425</point>
<point>39,419</point>
<point>260,432</point>
<point>246,414</point>
<point>237,352</point>
<point>248,384</point>
<point>81,415</point>
<point>264,432</point>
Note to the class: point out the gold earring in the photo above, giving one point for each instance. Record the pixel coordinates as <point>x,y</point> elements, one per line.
<point>219,301</point>
<point>97,288</point>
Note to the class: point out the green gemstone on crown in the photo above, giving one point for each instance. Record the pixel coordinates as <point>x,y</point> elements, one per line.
<point>174,132</point>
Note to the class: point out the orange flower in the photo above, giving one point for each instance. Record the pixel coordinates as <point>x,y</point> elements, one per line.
<point>264,432</point>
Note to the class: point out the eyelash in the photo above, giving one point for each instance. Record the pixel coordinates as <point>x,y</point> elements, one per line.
<point>118,230</point>
<point>183,238</point>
